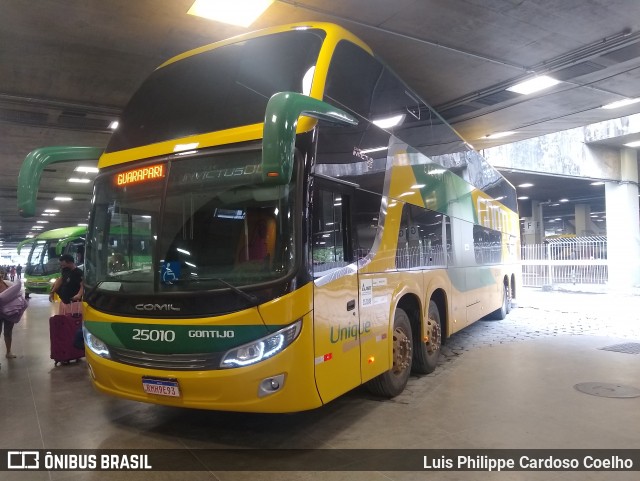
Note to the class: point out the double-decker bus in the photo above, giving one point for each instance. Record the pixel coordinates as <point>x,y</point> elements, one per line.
<point>306,224</point>
<point>43,268</point>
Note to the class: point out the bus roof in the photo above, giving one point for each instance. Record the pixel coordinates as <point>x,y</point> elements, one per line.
<point>61,233</point>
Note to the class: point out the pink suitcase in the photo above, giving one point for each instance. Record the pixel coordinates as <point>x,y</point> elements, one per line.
<point>62,331</point>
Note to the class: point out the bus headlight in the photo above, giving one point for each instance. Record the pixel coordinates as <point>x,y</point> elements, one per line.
<point>52,281</point>
<point>95,344</point>
<point>261,349</point>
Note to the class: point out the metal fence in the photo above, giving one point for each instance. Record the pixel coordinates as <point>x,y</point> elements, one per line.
<point>572,260</point>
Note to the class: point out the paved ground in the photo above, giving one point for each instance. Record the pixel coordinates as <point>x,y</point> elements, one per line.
<point>500,385</point>
<point>538,313</point>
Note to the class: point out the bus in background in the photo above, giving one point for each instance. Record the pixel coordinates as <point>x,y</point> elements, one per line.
<point>42,268</point>
<point>311,225</point>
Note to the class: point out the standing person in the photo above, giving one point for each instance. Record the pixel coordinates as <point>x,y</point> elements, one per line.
<point>19,271</point>
<point>69,285</point>
<point>12,273</point>
<point>5,324</point>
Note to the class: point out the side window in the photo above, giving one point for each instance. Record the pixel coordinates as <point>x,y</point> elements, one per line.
<point>420,240</point>
<point>366,213</point>
<point>329,240</point>
<point>487,245</point>
<point>353,75</point>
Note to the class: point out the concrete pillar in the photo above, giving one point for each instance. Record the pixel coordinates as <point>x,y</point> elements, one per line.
<point>582,220</point>
<point>533,226</point>
<point>623,224</point>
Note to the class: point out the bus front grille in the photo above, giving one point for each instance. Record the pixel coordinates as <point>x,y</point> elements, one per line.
<point>168,362</point>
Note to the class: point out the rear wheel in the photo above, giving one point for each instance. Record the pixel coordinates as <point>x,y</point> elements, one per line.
<point>393,382</point>
<point>504,309</point>
<point>427,350</point>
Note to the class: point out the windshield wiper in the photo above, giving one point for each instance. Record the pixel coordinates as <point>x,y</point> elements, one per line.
<point>249,297</point>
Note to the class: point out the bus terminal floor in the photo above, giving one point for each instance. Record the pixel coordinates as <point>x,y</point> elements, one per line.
<point>500,384</point>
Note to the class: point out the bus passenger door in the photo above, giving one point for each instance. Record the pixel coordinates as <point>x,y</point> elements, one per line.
<point>335,304</point>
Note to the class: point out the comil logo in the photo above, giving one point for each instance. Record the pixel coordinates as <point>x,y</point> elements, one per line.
<point>23,460</point>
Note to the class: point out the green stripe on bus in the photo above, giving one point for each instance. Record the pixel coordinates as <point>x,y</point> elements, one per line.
<point>177,339</point>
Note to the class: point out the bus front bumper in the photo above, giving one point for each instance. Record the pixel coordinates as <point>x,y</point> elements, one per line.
<point>288,378</point>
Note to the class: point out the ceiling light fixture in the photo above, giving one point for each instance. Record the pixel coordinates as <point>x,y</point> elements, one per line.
<point>388,122</point>
<point>598,182</point>
<point>234,12</point>
<point>525,185</point>
<point>621,103</point>
<point>524,197</point>
<point>63,199</point>
<point>633,144</point>
<point>114,125</point>
<point>86,170</point>
<point>534,85</point>
<point>77,180</point>
<point>499,135</point>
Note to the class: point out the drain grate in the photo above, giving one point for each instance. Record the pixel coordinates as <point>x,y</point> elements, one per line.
<point>607,390</point>
<point>627,348</point>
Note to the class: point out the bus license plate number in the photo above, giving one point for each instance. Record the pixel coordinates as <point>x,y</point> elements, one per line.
<point>161,387</point>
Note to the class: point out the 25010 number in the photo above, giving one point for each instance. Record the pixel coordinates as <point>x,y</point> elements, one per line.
<point>153,335</point>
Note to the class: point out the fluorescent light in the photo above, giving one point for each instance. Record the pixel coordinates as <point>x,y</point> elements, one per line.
<point>525,185</point>
<point>375,149</point>
<point>235,12</point>
<point>52,210</point>
<point>533,85</point>
<point>114,124</point>
<point>499,135</point>
<point>37,227</point>
<point>598,182</point>
<point>388,122</point>
<point>524,197</point>
<point>307,80</point>
<point>77,180</point>
<point>63,199</point>
<point>563,200</point>
<point>87,170</point>
<point>42,222</point>
<point>183,251</point>
<point>82,225</point>
<point>633,144</point>
<point>184,147</point>
<point>621,103</point>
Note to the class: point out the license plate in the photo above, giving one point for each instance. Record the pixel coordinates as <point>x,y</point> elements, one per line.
<point>161,387</point>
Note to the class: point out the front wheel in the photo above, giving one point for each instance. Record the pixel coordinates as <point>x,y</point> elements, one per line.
<point>393,382</point>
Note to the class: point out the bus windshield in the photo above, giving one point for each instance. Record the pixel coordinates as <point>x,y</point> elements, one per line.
<point>218,225</point>
<point>43,259</point>
<point>219,89</point>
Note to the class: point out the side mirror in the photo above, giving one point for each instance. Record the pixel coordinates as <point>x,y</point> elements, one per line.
<point>279,135</point>
<point>35,162</point>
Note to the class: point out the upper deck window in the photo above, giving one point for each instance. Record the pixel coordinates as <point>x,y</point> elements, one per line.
<point>218,89</point>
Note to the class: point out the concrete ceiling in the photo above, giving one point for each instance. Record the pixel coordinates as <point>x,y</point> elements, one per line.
<point>69,67</point>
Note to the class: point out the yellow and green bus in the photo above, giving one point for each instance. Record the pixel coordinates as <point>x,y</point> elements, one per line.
<point>305,224</point>
<point>43,268</point>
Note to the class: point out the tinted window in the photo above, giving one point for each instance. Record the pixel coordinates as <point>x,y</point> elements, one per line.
<point>487,245</point>
<point>219,89</point>
<point>420,239</point>
<point>330,247</point>
<point>352,77</point>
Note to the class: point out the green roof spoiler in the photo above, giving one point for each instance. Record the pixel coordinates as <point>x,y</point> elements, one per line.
<point>35,162</point>
<point>279,135</point>
<point>22,243</point>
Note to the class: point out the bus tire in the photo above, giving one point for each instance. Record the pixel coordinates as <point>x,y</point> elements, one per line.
<point>500,313</point>
<point>393,382</point>
<point>427,351</point>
